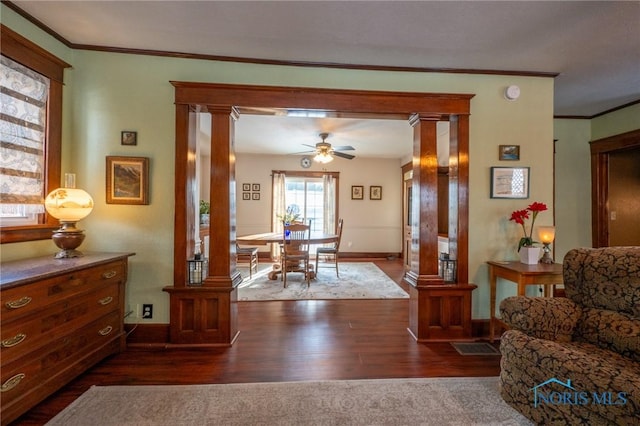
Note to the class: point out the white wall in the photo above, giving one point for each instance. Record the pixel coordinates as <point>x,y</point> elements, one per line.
<point>369,226</point>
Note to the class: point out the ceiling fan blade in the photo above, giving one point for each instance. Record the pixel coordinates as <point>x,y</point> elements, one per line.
<point>302,152</point>
<point>344,148</point>
<point>310,146</point>
<point>343,155</point>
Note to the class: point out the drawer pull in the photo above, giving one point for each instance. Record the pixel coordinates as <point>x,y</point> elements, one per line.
<point>109,274</point>
<point>12,382</point>
<point>13,341</point>
<point>106,300</point>
<point>105,331</point>
<point>15,304</point>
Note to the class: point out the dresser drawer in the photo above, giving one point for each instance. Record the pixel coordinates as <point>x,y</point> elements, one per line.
<point>22,375</point>
<point>23,300</point>
<point>30,332</point>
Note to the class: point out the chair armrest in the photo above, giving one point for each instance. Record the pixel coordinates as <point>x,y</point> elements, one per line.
<point>544,318</point>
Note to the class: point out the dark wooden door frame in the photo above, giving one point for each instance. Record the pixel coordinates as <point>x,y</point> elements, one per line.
<point>222,101</point>
<point>600,151</point>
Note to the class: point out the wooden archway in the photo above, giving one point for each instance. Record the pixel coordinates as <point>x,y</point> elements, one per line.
<point>207,315</point>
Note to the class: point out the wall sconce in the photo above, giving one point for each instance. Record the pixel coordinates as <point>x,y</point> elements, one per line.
<point>68,205</point>
<point>546,234</point>
<point>447,268</point>
<point>197,268</point>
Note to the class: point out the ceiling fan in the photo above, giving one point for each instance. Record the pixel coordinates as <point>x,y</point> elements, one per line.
<point>324,152</point>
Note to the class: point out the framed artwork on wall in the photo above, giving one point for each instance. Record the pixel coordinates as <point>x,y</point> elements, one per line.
<point>128,137</point>
<point>246,187</point>
<point>255,196</point>
<point>246,195</point>
<point>375,192</point>
<point>357,192</point>
<point>127,180</point>
<point>508,152</point>
<point>509,182</point>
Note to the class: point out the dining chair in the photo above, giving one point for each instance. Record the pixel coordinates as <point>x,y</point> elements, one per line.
<point>331,251</point>
<point>295,250</point>
<point>248,255</point>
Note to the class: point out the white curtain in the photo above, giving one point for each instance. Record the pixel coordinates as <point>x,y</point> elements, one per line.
<point>22,135</point>
<point>279,209</point>
<point>329,183</point>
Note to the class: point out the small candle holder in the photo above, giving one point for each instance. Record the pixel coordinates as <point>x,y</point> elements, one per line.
<point>197,268</point>
<point>447,268</point>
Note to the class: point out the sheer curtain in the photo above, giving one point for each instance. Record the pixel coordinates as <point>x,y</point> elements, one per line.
<point>279,209</point>
<point>329,183</point>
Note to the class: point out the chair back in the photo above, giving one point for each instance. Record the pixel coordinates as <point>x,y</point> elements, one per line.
<point>295,238</point>
<point>340,223</point>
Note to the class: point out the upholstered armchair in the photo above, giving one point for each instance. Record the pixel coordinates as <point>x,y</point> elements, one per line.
<point>576,360</point>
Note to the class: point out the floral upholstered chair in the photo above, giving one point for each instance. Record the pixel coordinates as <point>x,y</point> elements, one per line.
<point>576,360</point>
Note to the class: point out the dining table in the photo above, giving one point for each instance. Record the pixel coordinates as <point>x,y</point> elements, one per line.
<point>277,238</point>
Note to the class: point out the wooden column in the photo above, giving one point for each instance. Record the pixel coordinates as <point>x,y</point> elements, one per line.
<point>207,315</point>
<point>437,311</point>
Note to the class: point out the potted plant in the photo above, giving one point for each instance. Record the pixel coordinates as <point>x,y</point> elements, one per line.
<point>205,210</point>
<point>528,253</point>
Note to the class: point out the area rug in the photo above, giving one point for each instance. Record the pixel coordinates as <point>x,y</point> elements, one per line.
<point>433,401</point>
<point>358,280</point>
<point>475,348</point>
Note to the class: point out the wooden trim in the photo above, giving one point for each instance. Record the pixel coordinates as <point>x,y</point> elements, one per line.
<point>600,151</point>
<point>33,56</point>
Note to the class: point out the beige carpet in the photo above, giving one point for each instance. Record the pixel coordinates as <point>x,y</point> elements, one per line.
<point>358,280</point>
<point>441,401</point>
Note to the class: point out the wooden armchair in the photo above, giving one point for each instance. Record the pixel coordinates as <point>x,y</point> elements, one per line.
<point>295,250</point>
<point>331,251</point>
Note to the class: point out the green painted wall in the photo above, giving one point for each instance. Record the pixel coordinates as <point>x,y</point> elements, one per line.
<point>109,92</point>
<point>614,123</point>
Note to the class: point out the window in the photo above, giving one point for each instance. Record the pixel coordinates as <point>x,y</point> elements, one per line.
<point>30,136</point>
<point>311,195</point>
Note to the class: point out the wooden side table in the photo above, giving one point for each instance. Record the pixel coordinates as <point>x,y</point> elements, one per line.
<point>523,275</point>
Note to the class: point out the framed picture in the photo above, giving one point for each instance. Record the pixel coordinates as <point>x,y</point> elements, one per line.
<point>128,138</point>
<point>255,187</point>
<point>375,193</point>
<point>509,182</point>
<point>357,192</point>
<point>255,196</point>
<point>127,180</point>
<point>246,195</point>
<point>508,152</point>
<point>246,187</point>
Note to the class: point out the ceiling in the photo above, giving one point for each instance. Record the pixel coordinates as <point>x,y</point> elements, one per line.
<point>593,46</point>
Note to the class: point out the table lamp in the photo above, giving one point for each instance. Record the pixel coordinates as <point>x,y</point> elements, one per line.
<point>546,234</point>
<point>68,205</point>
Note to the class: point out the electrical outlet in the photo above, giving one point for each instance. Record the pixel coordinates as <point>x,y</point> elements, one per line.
<point>147,311</point>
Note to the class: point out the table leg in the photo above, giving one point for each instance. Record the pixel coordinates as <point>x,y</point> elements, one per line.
<point>492,302</point>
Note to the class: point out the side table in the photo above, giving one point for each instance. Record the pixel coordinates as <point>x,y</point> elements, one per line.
<point>523,275</point>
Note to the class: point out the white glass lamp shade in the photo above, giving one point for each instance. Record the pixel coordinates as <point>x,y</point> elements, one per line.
<point>68,204</point>
<point>323,158</point>
<point>547,234</point>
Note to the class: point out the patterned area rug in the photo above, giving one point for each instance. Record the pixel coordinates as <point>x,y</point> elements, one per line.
<point>358,280</point>
<point>441,401</point>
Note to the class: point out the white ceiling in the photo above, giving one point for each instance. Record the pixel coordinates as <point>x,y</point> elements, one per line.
<point>594,46</point>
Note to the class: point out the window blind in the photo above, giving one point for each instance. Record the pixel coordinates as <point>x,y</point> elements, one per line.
<point>23,113</point>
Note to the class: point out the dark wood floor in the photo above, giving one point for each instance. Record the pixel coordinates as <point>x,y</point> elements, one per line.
<point>289,341</point>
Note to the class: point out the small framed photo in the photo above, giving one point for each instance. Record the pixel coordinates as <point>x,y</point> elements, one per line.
<point>375,192</point>
<point>246,187</point>
<point>509,182</point>
<point>357,192</point>
<point>246,195</point>
<point>508,152</point>
<point>255,187</point>
<point>255,196</point>
<point>128,138</point>
<point>127,180</point>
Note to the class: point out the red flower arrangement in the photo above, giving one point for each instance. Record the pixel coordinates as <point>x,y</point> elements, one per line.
<point>519,216</point>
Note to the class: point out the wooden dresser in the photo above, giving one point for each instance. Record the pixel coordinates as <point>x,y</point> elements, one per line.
<point>58,318</point>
